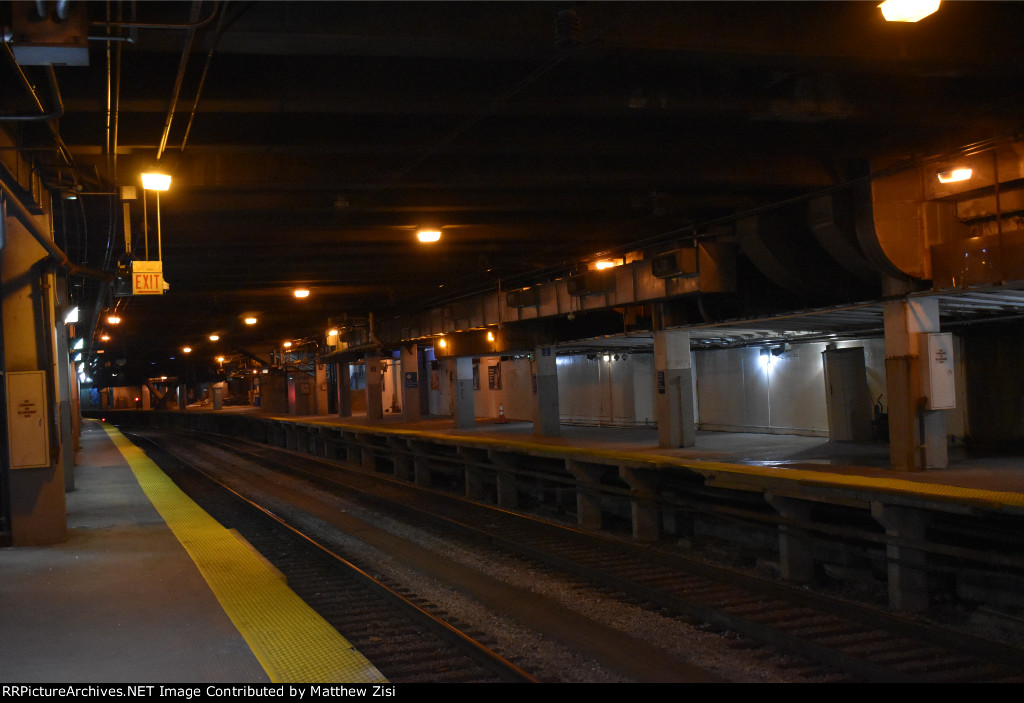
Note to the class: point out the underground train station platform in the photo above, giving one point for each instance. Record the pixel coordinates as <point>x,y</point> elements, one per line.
<point>149,589</point>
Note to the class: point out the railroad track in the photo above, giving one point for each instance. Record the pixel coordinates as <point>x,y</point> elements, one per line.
<point>841,638</point>
<point>405,640</point>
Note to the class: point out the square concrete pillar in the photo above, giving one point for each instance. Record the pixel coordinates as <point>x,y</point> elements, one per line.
<point>673,399</point>
<point>465,410</point>
<point>344,374</point>
<point>411,381</point>
<point>917,436</point>
<point>546,414</point>
<point>374,399</point>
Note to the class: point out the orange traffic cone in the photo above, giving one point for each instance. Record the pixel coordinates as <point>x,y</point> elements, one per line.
<point>501,414</point>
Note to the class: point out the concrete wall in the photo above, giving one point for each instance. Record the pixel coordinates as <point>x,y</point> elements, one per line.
<point>594,391</point>
<point>737,391</point>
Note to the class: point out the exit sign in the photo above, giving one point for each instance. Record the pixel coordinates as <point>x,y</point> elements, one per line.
<point>147,278</point>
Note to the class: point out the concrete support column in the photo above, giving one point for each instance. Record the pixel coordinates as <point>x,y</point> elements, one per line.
<point>402,461</point>
<point>473,474</point>
<point>301,438</point>
<point>465,410</point>
<point>588,492</point>
<point>374,401</point>
<point>508,493</point>
<point>546,417</point>
<point>646,514</point>
<point>796,551</point>
<point>420,463</point>
<point>917,437</point>
<point>907,565</point>
<point>410,381</point>
<point>673,399</point>
<point>182,397</point>
<point>353,452</point>
<point>147,404</point>
<point>344,389</point>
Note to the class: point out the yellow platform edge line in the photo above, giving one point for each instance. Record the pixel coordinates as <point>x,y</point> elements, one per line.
<point>290,640</point>
<point>707,467</point>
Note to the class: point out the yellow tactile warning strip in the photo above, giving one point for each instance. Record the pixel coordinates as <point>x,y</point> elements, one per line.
<point>291,642</point>
<point>710,469</point>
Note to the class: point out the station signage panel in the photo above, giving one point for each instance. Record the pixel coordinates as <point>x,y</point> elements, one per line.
<point>27,420</point>
<point>147,278</point>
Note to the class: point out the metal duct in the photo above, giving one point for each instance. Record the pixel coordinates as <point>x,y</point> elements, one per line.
<point>60,258</point>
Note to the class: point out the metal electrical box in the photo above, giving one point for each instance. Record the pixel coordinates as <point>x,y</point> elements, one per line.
<point>27,427</point>
<point>938,383</point>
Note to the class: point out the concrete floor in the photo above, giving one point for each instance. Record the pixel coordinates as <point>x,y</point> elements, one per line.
<point>120,601</point>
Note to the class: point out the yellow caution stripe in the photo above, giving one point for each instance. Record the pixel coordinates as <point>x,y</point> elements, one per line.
<point>290,640</point>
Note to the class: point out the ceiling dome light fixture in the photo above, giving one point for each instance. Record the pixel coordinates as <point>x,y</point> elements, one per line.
<point>907,10</point>
<point>954,175</point>
<point>156,181</point>
<point>428,236</point>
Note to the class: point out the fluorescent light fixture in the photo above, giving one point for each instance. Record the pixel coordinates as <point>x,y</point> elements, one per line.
<point>954,175</point>
<point>332,333</point>
<point>79,344</point>
<point>907,10</point>
<point>113,320</point>
<point>287,345</point>
<point>71,317</point>
<point>104,337</point>
<point>214,337</point>
<point>251,320</point>
<point>156,181</point>
<point>428,235</point>
<point>301,293</point>
<point>78,356</point>
<point>187,350</point>
<point>606,264</point>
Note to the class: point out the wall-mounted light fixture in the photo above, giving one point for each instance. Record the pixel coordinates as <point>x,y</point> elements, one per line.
<point>214,337</point>
<point>954,175</point>
<point>113,320</point>
<point>301,292</point>
<point>428,236</point>
<point>187,350</point>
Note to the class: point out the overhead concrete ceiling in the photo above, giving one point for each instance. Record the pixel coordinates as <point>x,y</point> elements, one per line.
<point>309,140</point>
